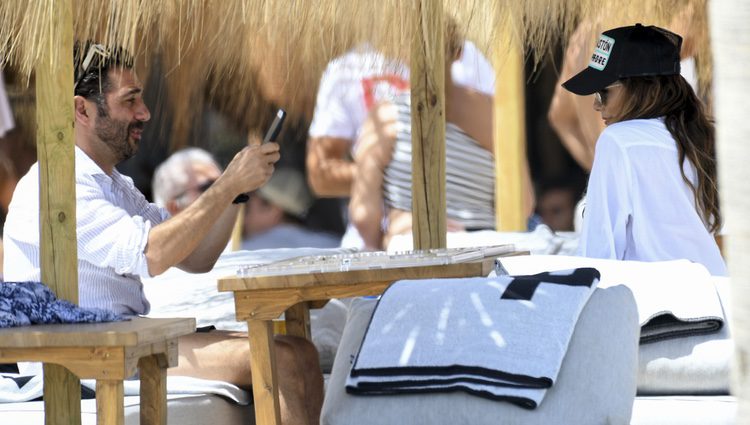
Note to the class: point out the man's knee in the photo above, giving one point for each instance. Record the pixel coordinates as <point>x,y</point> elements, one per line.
<point>302,350</point>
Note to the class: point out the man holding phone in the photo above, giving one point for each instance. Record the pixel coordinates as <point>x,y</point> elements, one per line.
<point>122,237</point>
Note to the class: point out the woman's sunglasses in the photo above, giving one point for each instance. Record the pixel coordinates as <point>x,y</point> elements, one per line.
<point>601,95</point>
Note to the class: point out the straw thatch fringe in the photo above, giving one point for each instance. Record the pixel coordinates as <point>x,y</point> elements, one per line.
<point>248,54</point>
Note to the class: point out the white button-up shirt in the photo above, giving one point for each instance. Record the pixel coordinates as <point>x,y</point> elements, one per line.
<point>113,220</point>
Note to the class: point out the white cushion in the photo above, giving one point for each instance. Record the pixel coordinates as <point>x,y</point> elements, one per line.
<point>194,409</point>
<point>692,365</point>
<point>684,410</point>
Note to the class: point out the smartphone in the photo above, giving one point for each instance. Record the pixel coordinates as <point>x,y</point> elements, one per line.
<point>275,129</point>
<point>271,135</point>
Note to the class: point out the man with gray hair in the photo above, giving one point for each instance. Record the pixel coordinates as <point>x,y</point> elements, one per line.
<point>183,177</point>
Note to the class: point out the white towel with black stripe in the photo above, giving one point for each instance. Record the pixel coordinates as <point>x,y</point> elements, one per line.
<point>501,338</point>
<point>675,298</point>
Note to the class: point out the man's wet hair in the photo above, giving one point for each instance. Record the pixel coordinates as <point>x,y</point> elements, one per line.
<point>92,65</point>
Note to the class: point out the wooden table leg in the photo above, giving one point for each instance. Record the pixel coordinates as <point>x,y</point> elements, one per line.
<point>110,402</point>
<point>298,320</point>
<point>62,396</point>
<point>263,368</point>
<point>153,374</point>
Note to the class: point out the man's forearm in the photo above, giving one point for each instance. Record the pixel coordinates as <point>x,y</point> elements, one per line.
<point>195,237</point>
<point>329,170</point>
<point>213,244</point>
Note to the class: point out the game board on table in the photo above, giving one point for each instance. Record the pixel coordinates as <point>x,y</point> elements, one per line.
<point>372,260</point>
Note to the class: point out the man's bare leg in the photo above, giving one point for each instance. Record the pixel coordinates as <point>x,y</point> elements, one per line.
<point>292,375</point>
<point>224,356</point>
<point>307,358</point>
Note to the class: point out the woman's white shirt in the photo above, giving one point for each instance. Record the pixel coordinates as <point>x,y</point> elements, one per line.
<point>638,207</point>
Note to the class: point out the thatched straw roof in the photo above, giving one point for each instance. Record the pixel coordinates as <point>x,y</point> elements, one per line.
<point>242,55</point>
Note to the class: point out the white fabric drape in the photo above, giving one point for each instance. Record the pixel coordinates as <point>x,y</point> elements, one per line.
<point>730,42</point>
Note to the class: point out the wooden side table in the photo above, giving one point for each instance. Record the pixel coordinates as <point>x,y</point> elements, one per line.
<point>109,353</point>
<point>260,299</point>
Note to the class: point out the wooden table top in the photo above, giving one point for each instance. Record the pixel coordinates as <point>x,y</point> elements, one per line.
<point>357,277</point>
<point>131,333</point>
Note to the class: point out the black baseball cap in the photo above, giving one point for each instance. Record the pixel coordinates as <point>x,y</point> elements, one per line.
<point>633,51</point>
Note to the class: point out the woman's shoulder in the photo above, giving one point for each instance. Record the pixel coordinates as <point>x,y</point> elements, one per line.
<point>636,124</point>
<point>635,132</point>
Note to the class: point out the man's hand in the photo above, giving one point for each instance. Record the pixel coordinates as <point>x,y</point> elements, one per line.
<point>251,167</point>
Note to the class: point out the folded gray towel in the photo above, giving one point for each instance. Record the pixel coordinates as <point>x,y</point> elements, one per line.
<point>501,338</point>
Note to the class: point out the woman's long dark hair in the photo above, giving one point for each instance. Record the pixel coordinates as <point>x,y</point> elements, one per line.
<point>671,97</point>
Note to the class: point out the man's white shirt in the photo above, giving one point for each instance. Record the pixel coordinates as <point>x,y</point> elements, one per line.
<point>113,221</point>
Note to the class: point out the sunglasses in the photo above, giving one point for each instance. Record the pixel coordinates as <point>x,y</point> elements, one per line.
<point>601,95</point>
<point>200,188</point>
<point>96,54</point>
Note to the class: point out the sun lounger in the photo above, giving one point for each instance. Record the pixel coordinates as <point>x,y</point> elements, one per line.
<point>682,380</point>
<point>596,383</point>
<point>183,409</point>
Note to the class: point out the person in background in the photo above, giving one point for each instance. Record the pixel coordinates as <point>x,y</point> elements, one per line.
<point>275,213</point>
<point>122,237</point>
<point>183,177</point>
<point>349,88</point>
<point>652,194</point>
<point>556,206</point>
<point>383,163</point>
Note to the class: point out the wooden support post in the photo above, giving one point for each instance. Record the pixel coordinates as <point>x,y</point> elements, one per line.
<point>263,368</point>
<point>153,375</point>
<point>110,408</point>
<point>298,320</point>
<point>55,142</point>
<point>510,139</point>
<point>55,151</point>
<point>62,396</point>
<point>428,125</point>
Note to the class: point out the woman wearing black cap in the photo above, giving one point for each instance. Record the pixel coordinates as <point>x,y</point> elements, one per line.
<point>652,194</point>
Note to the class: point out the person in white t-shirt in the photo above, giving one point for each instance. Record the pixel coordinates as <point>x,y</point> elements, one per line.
<point>351,85</point>
<point>652,194</point>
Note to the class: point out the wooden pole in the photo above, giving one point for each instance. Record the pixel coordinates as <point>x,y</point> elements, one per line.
<point>236,239</point>
<point>510,139</point>
<point>57,203</point>
<point>55,152</point>
<point>428,126</point>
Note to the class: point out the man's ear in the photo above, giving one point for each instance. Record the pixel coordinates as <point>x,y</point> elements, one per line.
<point>458,53</point>
<point>82,112</point>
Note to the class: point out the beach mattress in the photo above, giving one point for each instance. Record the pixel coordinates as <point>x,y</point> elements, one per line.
<point>684,410</point>
<point>184,409</point>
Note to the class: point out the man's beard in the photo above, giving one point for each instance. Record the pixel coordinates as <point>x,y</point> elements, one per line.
<point>116,135</point>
